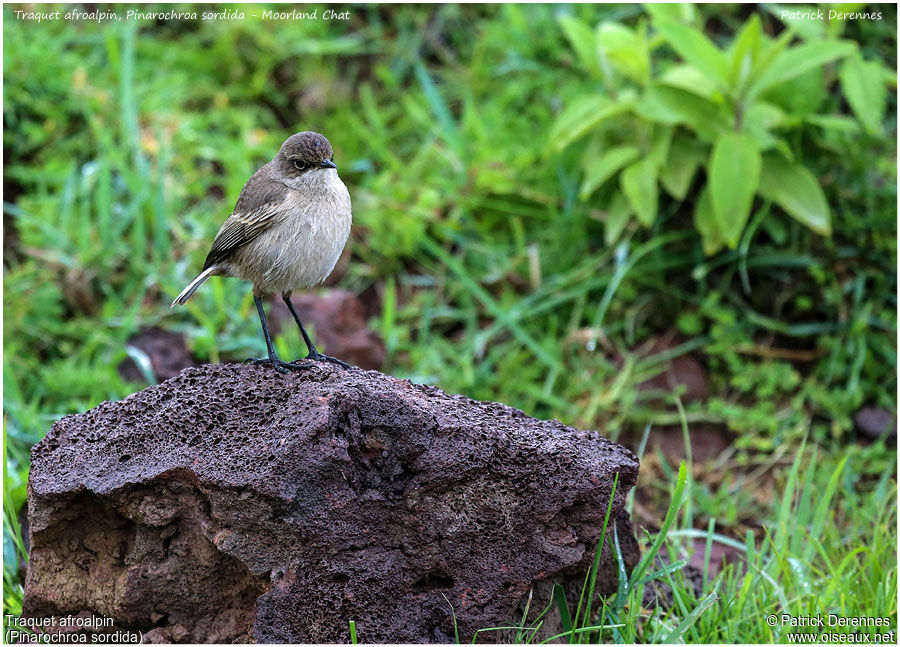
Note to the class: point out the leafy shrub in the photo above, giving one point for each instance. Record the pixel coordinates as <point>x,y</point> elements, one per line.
<point>736,112</point>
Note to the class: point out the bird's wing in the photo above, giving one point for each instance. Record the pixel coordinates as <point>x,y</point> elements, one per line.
<point>240,229</point>
<point>259,207</point>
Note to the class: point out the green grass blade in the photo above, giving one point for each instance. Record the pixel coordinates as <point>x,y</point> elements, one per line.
<point>565,619</point>
<point>677,633</point>
<point>707,550</point>
<point>665,570</point>
<point>580,631</point>
<point>820,516</point>
<point>669,521</point>
<point>452,615</point>
<point>623,588</point>
<point>500,313</point>
<point>596,565</point>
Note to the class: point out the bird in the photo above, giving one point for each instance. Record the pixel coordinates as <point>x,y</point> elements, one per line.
<point>287,231</point>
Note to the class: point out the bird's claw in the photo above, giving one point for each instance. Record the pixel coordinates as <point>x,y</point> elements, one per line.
<point>316,356</point>
<point>279,365</point>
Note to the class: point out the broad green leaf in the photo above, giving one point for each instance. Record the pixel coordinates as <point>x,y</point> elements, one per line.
<point>802,96</point>
<point>685,155</point>
<point>674,11</point>
<point>744,51</point>
<point>705,223</point>
<point>638,183</point>
<point>734,168</point>
<point>625,50</point>
<point>585,114</point>
<point>601,169</point>
<point>695,48</point>
<point>777,230</point>
<point>667,105</point>
<point>760,120</point>
<point>662,140</point>
<point>863,85</point>
<point>769,115</point>
<point>617,216</point>
<point>795,189</point>
<point>658,106</point>
<point>838,123</point>
<point>691,79</point>
<point>581,37</point>
<point>793,62</point>
<point>763,138</point>
<point>769,51</point>
<point>834,26</point>
<point>784,148</point>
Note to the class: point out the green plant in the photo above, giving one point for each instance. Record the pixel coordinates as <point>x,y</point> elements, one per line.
<point>739,112</point>
<point>797,565</point>
<point>14,552</point>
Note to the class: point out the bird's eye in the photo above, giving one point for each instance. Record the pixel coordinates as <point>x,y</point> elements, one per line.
<point>300,166</point>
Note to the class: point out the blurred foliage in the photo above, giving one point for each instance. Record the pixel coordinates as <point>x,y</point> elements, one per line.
<point>540,194</point>
<point>733,112</point>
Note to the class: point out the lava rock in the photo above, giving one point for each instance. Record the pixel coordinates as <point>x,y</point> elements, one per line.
<point>235,503</point>
<point>875,422</point>
<point>167,351</point>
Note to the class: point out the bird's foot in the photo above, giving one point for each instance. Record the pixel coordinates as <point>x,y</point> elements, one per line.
<point>279,365</point>
<point>316,356</point>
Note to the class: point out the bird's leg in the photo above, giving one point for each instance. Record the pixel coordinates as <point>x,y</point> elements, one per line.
<point>280,366</point>
<point>313,355</point>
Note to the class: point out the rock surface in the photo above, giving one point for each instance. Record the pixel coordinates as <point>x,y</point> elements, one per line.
<point>167,351</point>
<point>234,503</point>
<point>875,422</point>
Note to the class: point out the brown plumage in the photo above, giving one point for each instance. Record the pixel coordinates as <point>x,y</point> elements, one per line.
<point>287,230</point>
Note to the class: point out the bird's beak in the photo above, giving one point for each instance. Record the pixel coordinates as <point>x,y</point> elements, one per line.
<point>328,164</point>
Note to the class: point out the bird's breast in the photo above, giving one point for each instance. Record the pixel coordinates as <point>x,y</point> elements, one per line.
<point>303,248</point>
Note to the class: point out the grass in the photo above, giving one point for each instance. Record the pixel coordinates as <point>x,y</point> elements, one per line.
<point>13,544</point>
<point>797,567</point>
<point>495,280</point>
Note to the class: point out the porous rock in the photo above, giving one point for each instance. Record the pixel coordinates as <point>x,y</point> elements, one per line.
<point>167,351</point>
<point>875,422</point>
<point>234,503</point>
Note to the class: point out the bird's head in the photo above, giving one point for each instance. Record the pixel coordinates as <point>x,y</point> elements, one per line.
<point>304,154</point>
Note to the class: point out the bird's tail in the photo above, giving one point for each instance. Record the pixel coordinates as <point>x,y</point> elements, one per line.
<point>193,285</point>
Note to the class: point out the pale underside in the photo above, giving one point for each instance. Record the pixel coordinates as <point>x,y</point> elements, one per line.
<point>293,244</point>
